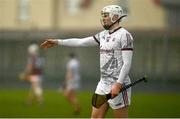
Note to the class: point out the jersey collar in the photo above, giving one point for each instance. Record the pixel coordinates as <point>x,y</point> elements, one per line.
<point>114,30</point>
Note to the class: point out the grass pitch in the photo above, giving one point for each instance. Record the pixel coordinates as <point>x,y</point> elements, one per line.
<point>13,104</point>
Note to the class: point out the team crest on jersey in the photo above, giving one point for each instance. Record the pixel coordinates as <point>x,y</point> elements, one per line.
<point>109,38</point>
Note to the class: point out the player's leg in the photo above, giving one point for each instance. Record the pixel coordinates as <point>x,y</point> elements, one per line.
<point>72,98</point>
<point>70,94</point>
<point>65,93</point>
<point>99,112</point>
<point>38,93</point>
<point>31,91</point>
<point>39,96</point>
<point>37,89</point>
<point>75,102</point>
<point>121,113</point>
<point>30,96</point>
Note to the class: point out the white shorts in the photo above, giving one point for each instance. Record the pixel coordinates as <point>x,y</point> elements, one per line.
<point>72,84</point>
<point>120,101</point>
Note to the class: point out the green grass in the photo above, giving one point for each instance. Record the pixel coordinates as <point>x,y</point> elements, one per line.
<point>155,105</point>
<point>13,104</point>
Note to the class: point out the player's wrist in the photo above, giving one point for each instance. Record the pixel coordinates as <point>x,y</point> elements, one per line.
<point>119,81</point>
<point>56,42</point>
<point>59,42</point>
<point>119,85</point>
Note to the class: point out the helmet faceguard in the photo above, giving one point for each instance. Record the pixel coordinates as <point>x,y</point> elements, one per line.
<point>112,10</point>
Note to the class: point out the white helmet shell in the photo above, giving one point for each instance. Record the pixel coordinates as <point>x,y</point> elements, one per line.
<point>33,49</point>
<point>113,10</point>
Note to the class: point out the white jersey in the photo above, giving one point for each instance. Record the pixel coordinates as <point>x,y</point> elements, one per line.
<point>111,47</point>
<point>112,59</point>
<point>73,65</point>
<point>115,61</point>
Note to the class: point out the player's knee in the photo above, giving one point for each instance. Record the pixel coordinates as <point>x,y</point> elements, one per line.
<point>38,91</point>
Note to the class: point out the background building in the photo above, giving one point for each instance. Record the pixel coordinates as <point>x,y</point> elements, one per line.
<point>75,14</point>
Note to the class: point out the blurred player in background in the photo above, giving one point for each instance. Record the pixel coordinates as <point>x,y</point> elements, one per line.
<point>72,82</point>
<point>34,69</point>
<point>116,50</point>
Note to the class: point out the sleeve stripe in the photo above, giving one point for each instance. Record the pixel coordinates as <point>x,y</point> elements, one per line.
<point>96,40</point>
<point>126,49</point>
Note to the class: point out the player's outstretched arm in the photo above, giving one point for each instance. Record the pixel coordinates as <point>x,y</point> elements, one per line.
<point>49,43</point>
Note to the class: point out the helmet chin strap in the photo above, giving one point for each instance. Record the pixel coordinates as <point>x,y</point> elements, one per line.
<point>108,27</point>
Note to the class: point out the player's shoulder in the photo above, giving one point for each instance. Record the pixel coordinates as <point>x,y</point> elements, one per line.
<point>124,31</point>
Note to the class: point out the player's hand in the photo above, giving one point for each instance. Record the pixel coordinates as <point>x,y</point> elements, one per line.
<point>49,43</point>
<point>115,89</point>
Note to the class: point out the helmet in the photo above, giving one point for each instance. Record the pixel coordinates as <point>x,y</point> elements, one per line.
<point>112,10</point>
<point>33,49</point>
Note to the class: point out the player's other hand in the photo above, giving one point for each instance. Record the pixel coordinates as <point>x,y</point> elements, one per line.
<point>49,43</point>
<point>115,89</point>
